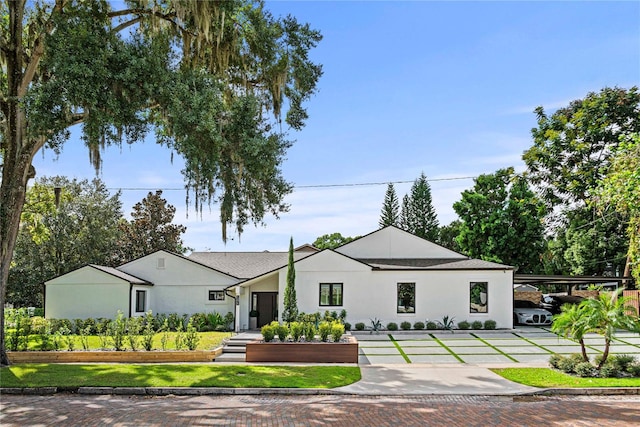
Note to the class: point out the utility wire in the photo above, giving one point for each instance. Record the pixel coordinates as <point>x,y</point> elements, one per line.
<point>357,184</point>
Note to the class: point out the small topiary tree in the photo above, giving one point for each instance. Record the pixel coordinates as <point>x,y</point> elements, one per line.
<point>476,324</point>
<point>324,330</point>
<point>392,326</point>
<point>337,330</point>
<point>431,325</point>
<point>267,333</point>
<point>405,326</point>
<point>359,326</point>
<point>418,326</point>
<point>297,330</point>
<point>464,325</point>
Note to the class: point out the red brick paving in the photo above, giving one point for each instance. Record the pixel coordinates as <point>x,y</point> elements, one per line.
<point>352,411</point>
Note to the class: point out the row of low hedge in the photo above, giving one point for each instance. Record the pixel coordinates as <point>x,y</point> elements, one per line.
<point>429,325</point>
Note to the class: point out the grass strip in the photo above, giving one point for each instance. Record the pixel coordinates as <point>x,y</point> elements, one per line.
<point>404,355</point>
<point>551,351</point>
<point>545,378</point>
<point>181,375</point>
<point>447,348</point>
<point>495,348</point>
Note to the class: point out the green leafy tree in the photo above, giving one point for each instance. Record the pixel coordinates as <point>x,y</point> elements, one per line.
<point>572,148</point>
<point>418,215</point>
<point>213,79</point>
<point>390,214</point>
<point>332,241</point>
<point>151,228</point>
<point>502,221</point>
<point>290,313</point>
<point>448,235</point>
<point>82,229</point>
<point>621,189</point>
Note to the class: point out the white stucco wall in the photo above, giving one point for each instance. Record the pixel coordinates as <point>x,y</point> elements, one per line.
<point>85,293</point>
<point>371,293</point>
<point>392,242</point>
<point>180,286</point>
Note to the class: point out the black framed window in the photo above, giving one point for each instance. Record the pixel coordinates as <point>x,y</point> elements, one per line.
<point>216,295</point>
<point>479,297</point>
<point>330,294</point>
<point>141,297</point>
<point>406,297</point>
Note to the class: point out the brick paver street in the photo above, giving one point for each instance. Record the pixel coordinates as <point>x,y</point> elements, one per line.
<point>78,410</point>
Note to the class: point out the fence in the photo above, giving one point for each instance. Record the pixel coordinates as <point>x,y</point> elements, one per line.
<point>634,300</point>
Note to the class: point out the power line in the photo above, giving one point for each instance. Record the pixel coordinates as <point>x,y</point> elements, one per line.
<point>355,184</point>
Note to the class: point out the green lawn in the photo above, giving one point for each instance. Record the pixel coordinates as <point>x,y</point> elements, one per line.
<point>208,341</point>
<point>185,375</point>
<point>545,378</point>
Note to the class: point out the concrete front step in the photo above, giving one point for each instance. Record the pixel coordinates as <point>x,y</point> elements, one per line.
<point>231,357</point>
<point>234,349</point>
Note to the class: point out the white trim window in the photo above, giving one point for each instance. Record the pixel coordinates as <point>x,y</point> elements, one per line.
<point>478,297</point>
<point>406,298</point>
<point>215,296</point>
<point>141,301</point>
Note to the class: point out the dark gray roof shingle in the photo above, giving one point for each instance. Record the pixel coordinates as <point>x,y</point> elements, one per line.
<point>246,265</point>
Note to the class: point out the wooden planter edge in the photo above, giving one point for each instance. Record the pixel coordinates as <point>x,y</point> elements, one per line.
<point>112,356</point>
<point>343,352</point>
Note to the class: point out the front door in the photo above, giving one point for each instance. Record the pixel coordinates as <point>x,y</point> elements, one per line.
<point>267,307</point>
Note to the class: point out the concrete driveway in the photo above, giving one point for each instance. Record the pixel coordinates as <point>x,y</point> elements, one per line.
<point>530,346</point>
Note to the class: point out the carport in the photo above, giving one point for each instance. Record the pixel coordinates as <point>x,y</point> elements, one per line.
<point>567,281</point>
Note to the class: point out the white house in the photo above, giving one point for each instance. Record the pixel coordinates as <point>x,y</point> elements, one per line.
<point>389,274</point>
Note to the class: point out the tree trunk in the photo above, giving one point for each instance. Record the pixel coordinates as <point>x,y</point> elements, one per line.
<point>585,357</point>
<point>605,354</point>
<point>18,154</point>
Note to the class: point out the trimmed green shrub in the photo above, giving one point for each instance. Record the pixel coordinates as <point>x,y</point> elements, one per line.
<point>555,359</point>
<point>634,369</point>
<point>621,361</point>
<point>609,370</point>
<point>337,330</point>
<point>297,330</point>
<point>359,326</point>
<point>392,326</point>
<point>568,364</point>
<point>282,331</point>
<point>267,333</point>
<point>431,326</point>
<point>309,331</point>
<point>476,324</point>
<point>191,337</point>
<point>405,326</point>
<point>489,324</point>
<point>347,326</point>
<point>418,326</point>
<point>464,325</point>
<point>585,369</point>
<point>324,330</point>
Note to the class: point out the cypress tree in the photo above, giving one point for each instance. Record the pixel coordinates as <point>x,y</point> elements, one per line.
<point>290,313</point>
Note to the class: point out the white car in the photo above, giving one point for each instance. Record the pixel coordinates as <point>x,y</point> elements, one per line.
<point>529,313</point>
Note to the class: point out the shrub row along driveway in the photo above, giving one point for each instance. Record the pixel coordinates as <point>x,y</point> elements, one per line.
<point>526,345</point>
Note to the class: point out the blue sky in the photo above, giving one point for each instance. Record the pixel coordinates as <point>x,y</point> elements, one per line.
<point>447,88</point>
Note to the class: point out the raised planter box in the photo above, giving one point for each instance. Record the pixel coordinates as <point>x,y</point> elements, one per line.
<point>112,356</point>
<point>315,352</point>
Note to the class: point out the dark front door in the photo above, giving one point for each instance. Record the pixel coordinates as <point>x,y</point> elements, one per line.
<point>267,307</point>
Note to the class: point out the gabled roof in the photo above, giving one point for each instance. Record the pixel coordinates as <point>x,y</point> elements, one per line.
<point>121,275</point>
<point>434,264</point>
<point>246,265</point>
<point>181,257</point>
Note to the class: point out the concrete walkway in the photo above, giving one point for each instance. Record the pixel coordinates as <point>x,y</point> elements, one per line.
<point>432,379</point>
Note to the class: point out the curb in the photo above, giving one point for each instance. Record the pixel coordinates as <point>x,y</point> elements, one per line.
<point>226,391</point>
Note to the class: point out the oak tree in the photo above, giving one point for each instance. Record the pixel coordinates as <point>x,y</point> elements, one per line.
<point>220,83</point>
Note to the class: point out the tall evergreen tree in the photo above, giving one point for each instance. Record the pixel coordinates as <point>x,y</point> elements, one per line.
<point>404,213</point>
<point>421,218</point>
<point>290,313</point>
<point>390,208</point>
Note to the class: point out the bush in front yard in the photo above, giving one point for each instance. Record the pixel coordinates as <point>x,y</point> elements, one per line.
<point>476,324</point>
<point>418,326</point>
<point>464,325</point>
<point>392,326</point>
<point>268,333</point>
<point>405,326</point>
<point>585,369</point>
<point>431,326</point>
<point>490,324</point>
<point>359,326</point>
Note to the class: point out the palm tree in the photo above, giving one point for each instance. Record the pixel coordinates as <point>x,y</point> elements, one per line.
<point>607,313</point>
<point>572,323</point>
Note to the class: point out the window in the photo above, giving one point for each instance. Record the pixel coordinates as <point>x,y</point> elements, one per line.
<point>216,295</point>
<point>141,296</point>
<point>160,264</point>
<point>330,294</point>
<point>478,297</point>
<point>406,298</point>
